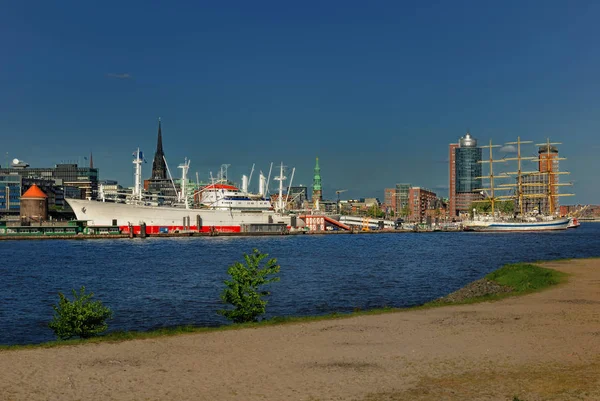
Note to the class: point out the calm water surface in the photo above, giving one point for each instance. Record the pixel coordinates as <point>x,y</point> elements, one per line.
<point>161,282</point>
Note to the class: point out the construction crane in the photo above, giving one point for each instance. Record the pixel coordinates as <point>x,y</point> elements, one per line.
<point>338,192</point>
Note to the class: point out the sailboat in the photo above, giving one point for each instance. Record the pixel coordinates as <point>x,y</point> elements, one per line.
<point>538,185</point>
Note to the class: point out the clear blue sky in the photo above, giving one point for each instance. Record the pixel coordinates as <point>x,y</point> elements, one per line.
<point>376,89</point>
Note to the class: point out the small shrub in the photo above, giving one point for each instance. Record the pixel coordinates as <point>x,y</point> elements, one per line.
<point>243,292</point>
<point>81,317</point>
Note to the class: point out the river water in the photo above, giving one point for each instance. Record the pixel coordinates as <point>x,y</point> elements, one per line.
<point>160,282</point>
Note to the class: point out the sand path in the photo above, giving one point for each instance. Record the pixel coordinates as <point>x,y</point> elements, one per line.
<point>543,346</point>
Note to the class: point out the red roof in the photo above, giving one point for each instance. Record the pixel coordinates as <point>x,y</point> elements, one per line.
<point>34,192</point>
<point>221,186</point>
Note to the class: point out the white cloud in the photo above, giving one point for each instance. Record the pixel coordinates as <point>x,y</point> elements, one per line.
<point>508,149</point>
<point>119,76</point>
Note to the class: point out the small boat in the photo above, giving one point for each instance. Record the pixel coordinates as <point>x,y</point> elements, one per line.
<point>573,223</point>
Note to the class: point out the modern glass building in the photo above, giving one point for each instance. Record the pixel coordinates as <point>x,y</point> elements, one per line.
<point>10,192</point>
<point>466,174</point>
<point>468,168</point>
<point>83,181</point>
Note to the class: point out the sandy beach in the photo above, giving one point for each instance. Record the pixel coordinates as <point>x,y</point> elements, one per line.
<point>543,346</point>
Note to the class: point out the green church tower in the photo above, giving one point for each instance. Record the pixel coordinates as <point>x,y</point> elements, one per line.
<point>317,194</point>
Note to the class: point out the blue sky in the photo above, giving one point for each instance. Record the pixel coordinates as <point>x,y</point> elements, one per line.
<point>377,90</point>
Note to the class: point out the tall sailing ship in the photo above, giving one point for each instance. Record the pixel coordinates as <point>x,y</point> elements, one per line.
<point>530,186</point>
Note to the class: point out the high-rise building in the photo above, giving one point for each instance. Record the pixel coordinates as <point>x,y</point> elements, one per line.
<point>548,163</point>
<point>465,173</point>
<point>452,179</point>
<point>317,193</point>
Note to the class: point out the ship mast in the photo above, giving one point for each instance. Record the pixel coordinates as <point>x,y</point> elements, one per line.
<point>549,184</point>
<point>492,195</point>
<point>182,193</point>
<point>137,189</point>
<point>519,173</point>
<point>280,178</point>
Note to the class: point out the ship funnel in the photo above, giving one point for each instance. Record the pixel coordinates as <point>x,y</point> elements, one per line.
<point>245,184</point>
<point>262,185</point>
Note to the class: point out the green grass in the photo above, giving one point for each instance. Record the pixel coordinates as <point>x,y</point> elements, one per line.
<point>522,277</point>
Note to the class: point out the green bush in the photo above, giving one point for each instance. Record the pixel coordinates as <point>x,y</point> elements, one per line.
<point>81,317</point>
<point>242,291</point>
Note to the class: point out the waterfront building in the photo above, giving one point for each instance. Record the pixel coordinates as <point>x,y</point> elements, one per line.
<point>389,199</point>
<point>452,179</point>
<point>13,185</point>
<point>10,193</point>
<point>548,162</point>
<point>34,205</point>
<point>402,198</point>
<point>82,181</point>
<point>465,175</point>
<point>317,193</point>
<point>420,201</point>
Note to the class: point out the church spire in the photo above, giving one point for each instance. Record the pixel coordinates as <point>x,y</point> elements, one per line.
<point>317,190</point>
<point>91,160</point>
<point>159,148</point>
<point>159,169</point>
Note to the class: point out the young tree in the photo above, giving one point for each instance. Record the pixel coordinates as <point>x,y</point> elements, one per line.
<point>81,317</point>
<point>243,292</point>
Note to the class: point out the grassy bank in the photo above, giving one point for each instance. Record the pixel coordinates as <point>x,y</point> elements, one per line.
<point>508,281</point>
<point>513,279</point>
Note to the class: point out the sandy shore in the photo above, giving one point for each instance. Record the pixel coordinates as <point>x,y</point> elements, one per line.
<point>543,346</point>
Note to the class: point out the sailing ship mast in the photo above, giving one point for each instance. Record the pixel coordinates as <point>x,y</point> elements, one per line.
<point>549,193</point>
<point>492,194</point>
<point>519,173</point>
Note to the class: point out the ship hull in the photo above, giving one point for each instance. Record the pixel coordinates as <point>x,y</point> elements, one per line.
<point>160,219</point>
<point>495,226</point>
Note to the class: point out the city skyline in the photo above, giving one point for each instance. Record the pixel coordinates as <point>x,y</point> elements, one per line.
<point>377,92</point>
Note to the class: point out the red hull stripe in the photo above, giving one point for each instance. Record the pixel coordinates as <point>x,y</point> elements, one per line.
<point>174,229</point>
